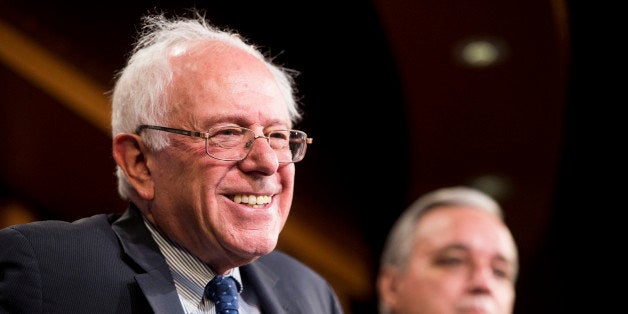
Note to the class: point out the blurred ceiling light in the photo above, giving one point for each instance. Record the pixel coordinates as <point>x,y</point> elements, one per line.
<point>480,53</point>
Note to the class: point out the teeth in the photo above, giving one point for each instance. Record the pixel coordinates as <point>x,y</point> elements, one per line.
<point>252,199</point>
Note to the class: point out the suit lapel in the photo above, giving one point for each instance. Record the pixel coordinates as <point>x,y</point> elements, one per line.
<point>156,282</point>
<point>261,279</point>
<point>159,291</point>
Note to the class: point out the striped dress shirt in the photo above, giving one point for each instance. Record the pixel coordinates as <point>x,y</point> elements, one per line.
<point>191,275</point>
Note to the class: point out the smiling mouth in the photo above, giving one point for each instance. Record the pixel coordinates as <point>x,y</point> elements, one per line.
<point>255,201</point>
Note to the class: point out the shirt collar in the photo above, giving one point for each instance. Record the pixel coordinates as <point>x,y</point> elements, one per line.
<point>188,271</point>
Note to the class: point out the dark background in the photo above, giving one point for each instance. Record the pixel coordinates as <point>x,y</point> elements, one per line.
<point>393,113</point>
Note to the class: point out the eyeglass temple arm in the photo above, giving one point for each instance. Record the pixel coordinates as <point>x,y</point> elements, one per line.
<point>308,140</point>
<point>171,130</point>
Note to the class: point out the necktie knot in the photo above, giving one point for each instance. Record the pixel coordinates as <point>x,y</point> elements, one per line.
<point>223,292</point>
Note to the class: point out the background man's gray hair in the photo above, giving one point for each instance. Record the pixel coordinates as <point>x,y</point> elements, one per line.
<point>397,247</point>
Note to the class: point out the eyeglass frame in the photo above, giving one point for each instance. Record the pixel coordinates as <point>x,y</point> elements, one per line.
<point>206,137</point>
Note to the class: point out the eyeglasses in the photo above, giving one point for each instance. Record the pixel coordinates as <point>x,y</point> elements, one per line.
<point>233,143</point>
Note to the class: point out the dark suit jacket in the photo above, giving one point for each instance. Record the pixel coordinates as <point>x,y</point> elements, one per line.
<point>110,264</point>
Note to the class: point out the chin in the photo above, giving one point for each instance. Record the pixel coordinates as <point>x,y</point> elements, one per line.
<point>258,245</point>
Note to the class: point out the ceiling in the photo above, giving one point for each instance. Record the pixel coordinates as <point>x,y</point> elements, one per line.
<point>393,110</point>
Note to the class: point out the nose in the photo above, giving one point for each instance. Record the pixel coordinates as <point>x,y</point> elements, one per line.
<point>261,157</point>
<point>480,279</point>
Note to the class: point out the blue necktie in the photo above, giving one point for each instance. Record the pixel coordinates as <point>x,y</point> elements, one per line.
<point>223,292</point>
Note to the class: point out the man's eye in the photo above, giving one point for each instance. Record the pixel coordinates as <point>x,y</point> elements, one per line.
<point>503,273</point>
<point>279,135</point>
<point>449,261</point>
<point>227,131</point>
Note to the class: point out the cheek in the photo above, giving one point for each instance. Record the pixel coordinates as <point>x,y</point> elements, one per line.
<point>287,177</point>
<point>430,280</point>
<point>506,295</point>
<point>415,293</point>
<point>417,278</point>
<point>176,167</point>
<point>287,172</point>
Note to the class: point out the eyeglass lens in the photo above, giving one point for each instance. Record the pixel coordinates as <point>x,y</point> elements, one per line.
<point>234,143</point>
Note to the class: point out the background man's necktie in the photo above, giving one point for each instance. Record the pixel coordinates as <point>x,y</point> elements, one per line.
<point>223,292</point>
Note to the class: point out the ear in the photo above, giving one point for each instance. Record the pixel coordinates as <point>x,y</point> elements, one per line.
<point>129,154</point>
<point>387,287</point>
